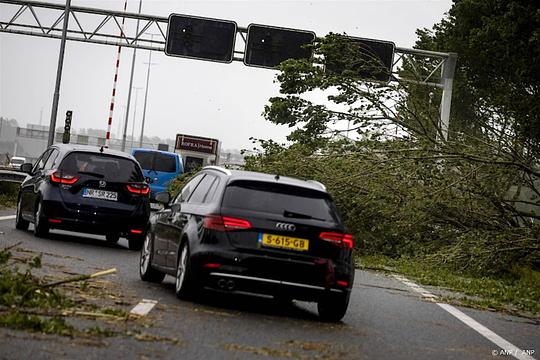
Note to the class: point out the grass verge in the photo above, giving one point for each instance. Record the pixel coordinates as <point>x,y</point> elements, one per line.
<point>517,293</point>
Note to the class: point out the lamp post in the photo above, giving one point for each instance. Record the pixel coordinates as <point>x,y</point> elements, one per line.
<point>134,115</point>
<point>56,96</point>
<point>124,134</point>
<point>118,134</point>
<point>146,92</point>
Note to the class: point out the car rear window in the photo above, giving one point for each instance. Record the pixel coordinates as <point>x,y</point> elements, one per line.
<point>156,161</point>
<point>145,159</point>
<point>107,167</point>
<point>285,200</point>
<point>165,163</point>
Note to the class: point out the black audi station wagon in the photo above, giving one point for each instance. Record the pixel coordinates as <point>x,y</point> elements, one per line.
<point>85,189</point>
<point>242,231</point>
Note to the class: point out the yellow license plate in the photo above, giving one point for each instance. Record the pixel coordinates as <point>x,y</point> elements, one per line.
<point>284,242</point>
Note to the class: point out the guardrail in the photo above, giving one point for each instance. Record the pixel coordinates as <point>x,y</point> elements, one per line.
<point>12,176</point>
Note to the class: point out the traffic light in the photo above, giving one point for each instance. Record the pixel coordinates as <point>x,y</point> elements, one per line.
<point>67,127</point>
<point>368,59</point>
<point>200,38</point>
<point>268,46</point>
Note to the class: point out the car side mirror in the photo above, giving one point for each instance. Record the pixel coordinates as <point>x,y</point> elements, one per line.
<point>27,168</point>
<point>163,198</point>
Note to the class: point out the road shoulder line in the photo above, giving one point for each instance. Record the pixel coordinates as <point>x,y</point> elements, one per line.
<point>8,217</point>
<point>507,348</point>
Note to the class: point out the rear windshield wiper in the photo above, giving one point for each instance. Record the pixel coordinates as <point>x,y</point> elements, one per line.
<point>291,214</point>
<point>98,175</point>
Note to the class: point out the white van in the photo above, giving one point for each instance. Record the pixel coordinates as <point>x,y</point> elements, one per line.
<point>16,162</point>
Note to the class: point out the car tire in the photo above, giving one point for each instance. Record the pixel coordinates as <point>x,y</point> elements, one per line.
<point>112,238</point>
<point>20,223</point>
<point>333,307</point>
<point>135,242</point>
<point>146,271</point>
<point>41,228</point>
<point>183,285</point>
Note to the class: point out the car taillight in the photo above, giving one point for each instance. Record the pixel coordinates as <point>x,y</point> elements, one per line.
<point>139,189</point>
<point>345,240</point>
<point>61,178</point>
<point>225,223</point>
<point>211,265</point>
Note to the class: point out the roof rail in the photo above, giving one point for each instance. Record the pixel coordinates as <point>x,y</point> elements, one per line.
<point>218,168</point>
<point>317,183</point>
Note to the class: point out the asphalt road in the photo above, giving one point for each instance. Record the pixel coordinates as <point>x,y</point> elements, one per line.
<point>387,319</point>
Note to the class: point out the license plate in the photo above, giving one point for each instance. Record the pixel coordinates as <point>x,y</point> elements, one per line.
<point>100,194</point>
<point>284,242</point>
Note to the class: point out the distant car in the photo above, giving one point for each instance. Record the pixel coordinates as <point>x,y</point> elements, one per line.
<point>85,189</point>
<point>16,162</point>
<point>252,232</point>
<point>160,166</point>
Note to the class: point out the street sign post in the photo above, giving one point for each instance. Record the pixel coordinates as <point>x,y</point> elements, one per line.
<point>258,53</point>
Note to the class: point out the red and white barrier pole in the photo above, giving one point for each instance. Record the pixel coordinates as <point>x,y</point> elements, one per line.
<point>111,108</point>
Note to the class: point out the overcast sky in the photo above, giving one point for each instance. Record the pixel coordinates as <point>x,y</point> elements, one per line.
<point>223,101</point>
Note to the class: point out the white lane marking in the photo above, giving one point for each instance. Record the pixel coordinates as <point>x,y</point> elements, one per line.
<point>506,347</point>
<point>416,287</point>
<point>9,217</point>
<point>144,307</point>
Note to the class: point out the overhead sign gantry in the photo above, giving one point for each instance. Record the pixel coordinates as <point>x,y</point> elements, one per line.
<point>191,36</point>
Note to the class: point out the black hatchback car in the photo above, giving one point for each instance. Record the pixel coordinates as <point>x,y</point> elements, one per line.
<point>242,231</point>
<point>85,189</point>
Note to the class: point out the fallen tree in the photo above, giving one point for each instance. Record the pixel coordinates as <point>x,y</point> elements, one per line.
<point>401,187</point>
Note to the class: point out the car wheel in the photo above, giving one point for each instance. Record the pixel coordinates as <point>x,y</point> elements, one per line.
<point>146,271</point>
<point>333,307</point>
<point>41,228</point>
<point>135,242</point>
<point>112,238</point>
<point>20,223</point>
<point>184,282</point>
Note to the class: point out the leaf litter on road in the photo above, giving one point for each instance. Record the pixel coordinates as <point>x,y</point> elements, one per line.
<point>40,298</point>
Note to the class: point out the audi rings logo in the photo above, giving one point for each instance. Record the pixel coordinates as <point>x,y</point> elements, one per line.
<point>285,226</point>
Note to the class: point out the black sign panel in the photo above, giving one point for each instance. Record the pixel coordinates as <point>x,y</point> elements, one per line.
<point>163,147</point>
<point>369,58</point>
<point>200,38</point>
<point>268,46</point>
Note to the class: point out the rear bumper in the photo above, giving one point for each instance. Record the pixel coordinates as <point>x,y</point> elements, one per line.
<point>95,222</point>
<point>274,276</point>
<point>272,287</point>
